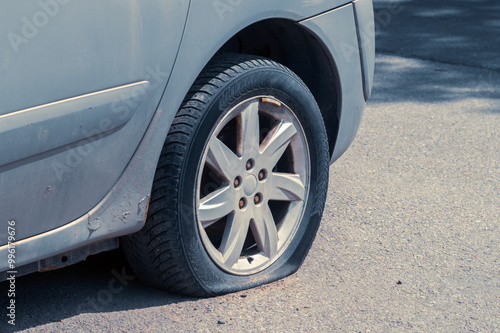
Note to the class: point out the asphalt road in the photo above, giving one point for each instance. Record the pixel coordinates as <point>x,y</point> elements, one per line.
<point>410,240</point>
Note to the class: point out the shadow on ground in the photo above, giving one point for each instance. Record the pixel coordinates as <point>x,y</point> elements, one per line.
<point>464,62</point>
<point>422,81</point>
<point>465,32</point>
<point>102,283</point>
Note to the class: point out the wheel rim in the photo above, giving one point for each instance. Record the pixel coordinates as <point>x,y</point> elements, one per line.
<point>253,184</point>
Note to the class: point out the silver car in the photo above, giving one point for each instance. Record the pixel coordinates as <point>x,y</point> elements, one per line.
<point>197,135</point>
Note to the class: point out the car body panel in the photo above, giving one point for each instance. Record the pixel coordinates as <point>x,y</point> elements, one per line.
<point>122,209</point>
<point>60,57</point>
<point>343,45</point>
<point>40,129</point>
<point>363,10</point>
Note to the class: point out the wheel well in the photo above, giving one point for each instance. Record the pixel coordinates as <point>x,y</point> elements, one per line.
<point>290,44</point>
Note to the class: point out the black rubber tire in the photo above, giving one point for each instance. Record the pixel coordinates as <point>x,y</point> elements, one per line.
<point>168,252</point>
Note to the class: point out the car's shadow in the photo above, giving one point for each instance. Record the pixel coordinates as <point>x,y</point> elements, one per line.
<point>462,32</point>
<point>102,283</point>
<point>433,83</point>
<point>420,45</point>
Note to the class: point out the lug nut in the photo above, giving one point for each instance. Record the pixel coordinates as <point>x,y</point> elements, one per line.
<point>242,203</point>
<point>256,199</point>
<point>237,182</point>
<point>249,164</point>
<point>262,174</point>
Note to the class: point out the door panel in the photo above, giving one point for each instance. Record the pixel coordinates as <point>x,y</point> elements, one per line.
<point>80,81</point>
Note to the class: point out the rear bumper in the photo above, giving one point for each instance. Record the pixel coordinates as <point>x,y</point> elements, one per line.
<point>363,13</point>
<point>353,53</point>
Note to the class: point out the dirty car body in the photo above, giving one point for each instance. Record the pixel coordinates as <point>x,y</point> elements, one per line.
<point>91,89</point>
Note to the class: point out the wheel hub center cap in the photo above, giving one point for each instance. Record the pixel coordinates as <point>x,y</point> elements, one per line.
<point>250,185</point>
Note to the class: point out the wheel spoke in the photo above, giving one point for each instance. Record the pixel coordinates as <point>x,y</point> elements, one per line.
<point>276,142</point>
<point>265,233</point>
<point>233,239</point>
<point>286,187</point>
<point>216,205</point>
<point>248,140</point>
<point>221,159</point>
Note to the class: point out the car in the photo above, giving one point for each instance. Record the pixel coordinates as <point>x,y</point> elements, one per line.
<point>196,135</point>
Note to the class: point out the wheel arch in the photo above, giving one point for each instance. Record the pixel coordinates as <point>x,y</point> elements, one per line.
<point>294,46</point>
